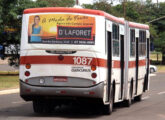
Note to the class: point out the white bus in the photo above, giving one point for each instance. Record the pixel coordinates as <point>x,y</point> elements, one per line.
<point>72,54</point>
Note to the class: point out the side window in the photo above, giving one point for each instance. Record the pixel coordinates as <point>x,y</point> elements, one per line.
<point>115,40</point>
<point>132,43</point>
<point>142,43</point>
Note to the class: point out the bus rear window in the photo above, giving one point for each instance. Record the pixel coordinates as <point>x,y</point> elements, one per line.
<point>61,29</point>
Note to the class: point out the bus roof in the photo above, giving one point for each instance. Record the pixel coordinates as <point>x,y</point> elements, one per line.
<point>74,10</point>
<point>138,25</point>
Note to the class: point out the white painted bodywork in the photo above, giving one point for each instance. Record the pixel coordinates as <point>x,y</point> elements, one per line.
<point>96,51</point>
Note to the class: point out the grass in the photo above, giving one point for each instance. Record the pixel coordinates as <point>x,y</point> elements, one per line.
<point>154,56</point>
<point>161,68</point>
<point>156,59</point>
<point>10,81</point>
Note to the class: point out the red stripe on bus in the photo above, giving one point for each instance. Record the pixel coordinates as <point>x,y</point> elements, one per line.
<point>74,10</point>
<point>132,64</point>
<point>116,64</point>
<point>69,60</point>
<point>55,60</point>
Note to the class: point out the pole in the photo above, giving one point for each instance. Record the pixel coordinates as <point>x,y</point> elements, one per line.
<point>77,2</point>
<point>124,8</point>
<point>157,3</point>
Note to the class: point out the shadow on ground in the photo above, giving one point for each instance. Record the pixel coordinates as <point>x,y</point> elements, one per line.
<point>64,111</point>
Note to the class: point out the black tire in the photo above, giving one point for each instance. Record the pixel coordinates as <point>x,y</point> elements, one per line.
<point>38,106</point>
<point>41,106</point>
<point>129,101</point>
<point>152,70</point>
<point>108,109</point>
<point>138,98</point>
<point>145,84</point>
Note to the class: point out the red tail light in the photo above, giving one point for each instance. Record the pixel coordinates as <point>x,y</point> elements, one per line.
<point>27,73</point>
<point>94,75</point>
<point>26,80</point>
<point>91,93</point>
<point>28,66</point>
<point>93,67</point>
<point>27,90</point>
<point>63,92</point>
<point>94,82</point>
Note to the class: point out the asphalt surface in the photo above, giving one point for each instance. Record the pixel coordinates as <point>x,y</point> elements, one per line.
<point>6,67</point>
<point>152,107</point>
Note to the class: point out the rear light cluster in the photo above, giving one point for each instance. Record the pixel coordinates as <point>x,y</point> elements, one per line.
<point>27,73</point>
<point>93,68</point>
<point>94,75</point>
<point>28,66</point>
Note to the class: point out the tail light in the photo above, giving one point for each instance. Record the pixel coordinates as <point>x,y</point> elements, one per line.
<point>94,83</point>
<point>27,90</point>
<point>28,66</point>
<point>27,73</point>
<point>94,75</point>
<point>93,67</point>
<point>63,92</point>
<point>26,81</point>
<point>91,93</point>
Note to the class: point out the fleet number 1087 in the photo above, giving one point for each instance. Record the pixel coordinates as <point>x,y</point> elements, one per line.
<point>82,60</point>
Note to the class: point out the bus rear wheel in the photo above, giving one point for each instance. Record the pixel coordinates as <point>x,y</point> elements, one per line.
<point>138,98</point>
<point>129,101</point>
<point>108,109</point>
<point>41,106</point>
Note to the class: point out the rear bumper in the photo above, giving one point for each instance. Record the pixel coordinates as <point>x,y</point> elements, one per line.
<point>29,92</point>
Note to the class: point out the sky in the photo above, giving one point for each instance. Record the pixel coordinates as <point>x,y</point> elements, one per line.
<point>86,1</point>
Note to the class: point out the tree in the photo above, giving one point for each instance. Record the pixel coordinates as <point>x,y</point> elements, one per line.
<point>11,18</point>
<point>160,44</point>
<point>12,10</point>
<point>59,3</point>
<point>140,12</point>
<point>100,5</point>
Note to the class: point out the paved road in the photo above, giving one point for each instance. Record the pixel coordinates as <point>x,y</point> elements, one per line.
<point>152,107</point>
<point>6,67</point>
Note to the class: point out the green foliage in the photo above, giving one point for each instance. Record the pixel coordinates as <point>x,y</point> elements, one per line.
<point>8,82</point>
<point>160,41</point>
<point>142,12</point>
<point>11,17</point>
<point>12,10</point>
<point>153,31</point>
<point>58,3</point>
<point>101,5</point>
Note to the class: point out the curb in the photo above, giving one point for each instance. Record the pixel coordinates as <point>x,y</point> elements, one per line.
<point>5,73</point>
<point>10,91</point>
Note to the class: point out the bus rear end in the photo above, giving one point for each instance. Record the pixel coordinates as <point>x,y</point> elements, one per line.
<point>62,55</point>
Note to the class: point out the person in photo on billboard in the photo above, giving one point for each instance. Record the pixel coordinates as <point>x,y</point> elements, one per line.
<point>36,30</point>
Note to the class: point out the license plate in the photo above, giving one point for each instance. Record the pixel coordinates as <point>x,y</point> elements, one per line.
<point>60,79</point>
